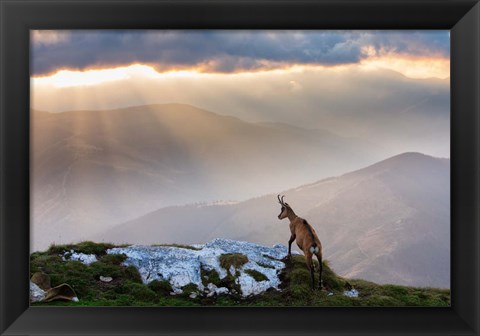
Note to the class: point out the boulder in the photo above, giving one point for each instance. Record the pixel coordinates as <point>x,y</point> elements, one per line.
<point>36,293</point>
<point>183,266</point>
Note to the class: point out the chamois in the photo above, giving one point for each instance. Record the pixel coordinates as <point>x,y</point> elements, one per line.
<point>306,239</point>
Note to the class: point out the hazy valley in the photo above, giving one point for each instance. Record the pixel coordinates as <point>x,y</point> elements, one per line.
<point>95,169</point>
<point>155,174</point>
<point>388,223</point>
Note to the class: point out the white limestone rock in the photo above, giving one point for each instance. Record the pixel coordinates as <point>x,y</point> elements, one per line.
<point>86,259</point>
<point>213,289</point>
<point>353,293</point>
<point>222,290</point>
<point>36,293</point>
<point>182,266</point>
<point>105,278</point>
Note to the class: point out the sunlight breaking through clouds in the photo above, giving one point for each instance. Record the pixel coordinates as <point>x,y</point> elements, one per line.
<point>418,68</point>
<point>354,83</point>
<point>68,78</point>
<point>223,51</point>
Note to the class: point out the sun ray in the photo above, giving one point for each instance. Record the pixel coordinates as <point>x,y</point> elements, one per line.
<point>69,78</point>
<point>412,67</point>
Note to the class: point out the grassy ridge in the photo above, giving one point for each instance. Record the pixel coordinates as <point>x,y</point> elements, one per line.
<point>127,289</point>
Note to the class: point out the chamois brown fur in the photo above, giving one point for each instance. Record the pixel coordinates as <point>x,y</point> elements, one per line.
<point>306,238</point>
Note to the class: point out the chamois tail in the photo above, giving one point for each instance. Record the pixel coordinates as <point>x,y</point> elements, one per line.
<point>314,248</point>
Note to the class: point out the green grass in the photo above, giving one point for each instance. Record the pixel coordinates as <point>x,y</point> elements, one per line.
<point>210,276</point>
<point>127,289</point>
<point>265,265</point>
<point>86,247</point>
<point>258,276</point>
<point>236,260</point>
<point>161,287</point>
<point>296,291</point>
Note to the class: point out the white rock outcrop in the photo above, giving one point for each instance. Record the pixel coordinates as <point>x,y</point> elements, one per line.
<point>86,259</point>
<point>105,278</point>
<point>212,289</point>
<point>353,293</point>
<point>181,266</point>
<point>36,293</point>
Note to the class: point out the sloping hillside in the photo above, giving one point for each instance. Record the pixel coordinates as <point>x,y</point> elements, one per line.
<point>106,275</point>
<point>387,223</point>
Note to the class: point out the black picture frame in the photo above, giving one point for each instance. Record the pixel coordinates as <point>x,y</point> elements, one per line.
<point>17,17</point>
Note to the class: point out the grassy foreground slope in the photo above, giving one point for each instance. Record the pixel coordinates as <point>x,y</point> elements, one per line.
<point>127,289</point>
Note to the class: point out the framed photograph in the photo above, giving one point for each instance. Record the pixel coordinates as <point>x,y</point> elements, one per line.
<point>240,168</point>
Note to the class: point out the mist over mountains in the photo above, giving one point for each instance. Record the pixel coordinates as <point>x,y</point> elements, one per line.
<point>95,169</point>
<point>387,223</point>
<point>175,173</point>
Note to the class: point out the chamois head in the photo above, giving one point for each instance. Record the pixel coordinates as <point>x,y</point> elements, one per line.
<point>284,211</point>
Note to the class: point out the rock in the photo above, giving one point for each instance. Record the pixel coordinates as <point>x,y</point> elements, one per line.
<point>47,294</point>
<point>193,295</point>
<point>351,293</point>
<point>86,259</point>
<point>222,290</point>
<point>177,291</point>
<point>250,286</point>
<point>179,266</point>
<point>42,280</point>
<point>213,289</point>
<point>105,279</point>
<point>182,266</point>
<point>36,293</point>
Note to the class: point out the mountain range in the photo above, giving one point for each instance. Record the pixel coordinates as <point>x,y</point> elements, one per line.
<point>155,174</point>
<point>388,222</point>
<point>92,170</point>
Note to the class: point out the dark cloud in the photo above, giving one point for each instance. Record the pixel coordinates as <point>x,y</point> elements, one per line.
<point>226,51</point>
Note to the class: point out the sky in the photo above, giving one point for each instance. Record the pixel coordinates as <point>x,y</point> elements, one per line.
<point>388,86</point>
<point>389,91</point>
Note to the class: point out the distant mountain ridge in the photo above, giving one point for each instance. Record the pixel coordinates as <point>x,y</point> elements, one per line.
<point>92,170</point>
<point>388,222</point>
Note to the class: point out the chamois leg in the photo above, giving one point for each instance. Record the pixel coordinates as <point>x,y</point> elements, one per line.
<point>292,238</point>
<point>310,267</point>
<point>320,263</point>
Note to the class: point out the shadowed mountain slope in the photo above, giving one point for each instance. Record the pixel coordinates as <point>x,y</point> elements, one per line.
<point>388,223</point>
